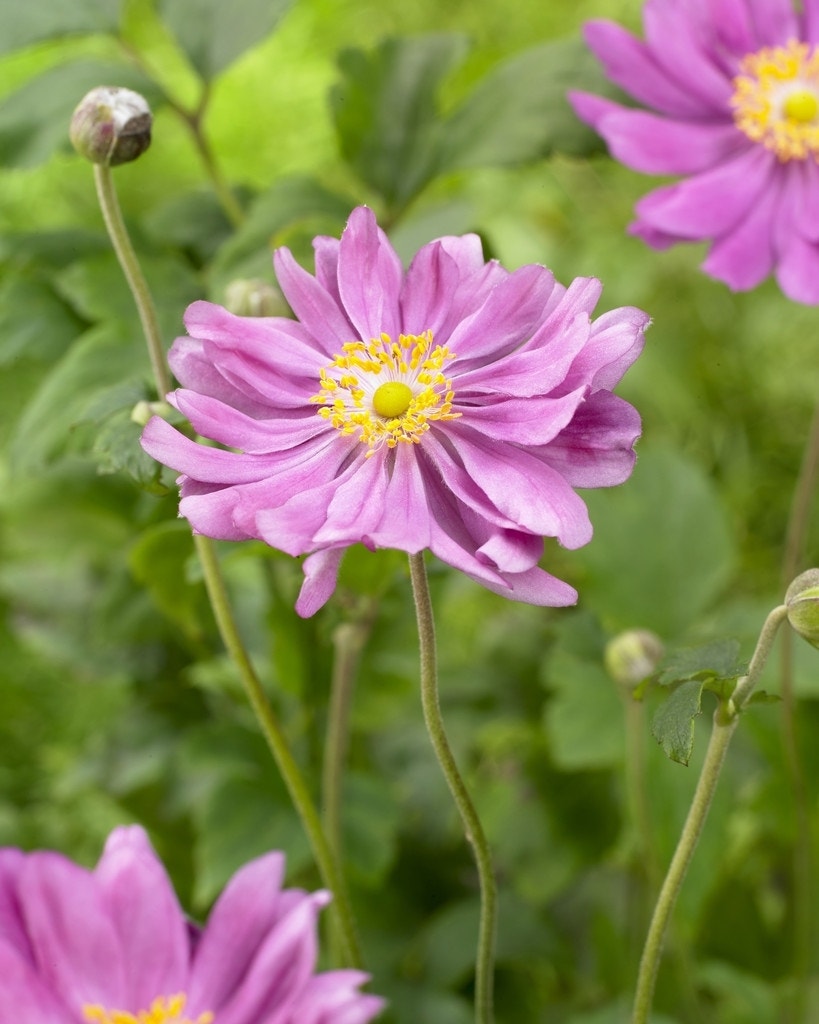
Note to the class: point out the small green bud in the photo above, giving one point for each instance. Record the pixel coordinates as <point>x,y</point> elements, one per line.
<point>111,126</point>
<point>802,601</point>
<point>253,297</point>
<point>631,657</point>
<point>144,410</point>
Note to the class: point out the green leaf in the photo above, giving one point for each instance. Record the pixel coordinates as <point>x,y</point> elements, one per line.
<point>158,560</point>
<point>34,322</point>
<point>584,718</point>
<point>34,120</point>
<point>716,660</point>
<point>214,33</point>
<point>371,817</point>
<point>25,23</point>
<point>70,396</point>
<point>116,449</point>
<point>662,547</point>
<point>673,722</point>
<point>386,111</point>
<point>294,209</point>
<point>97,290</point>
<point>519,111</point>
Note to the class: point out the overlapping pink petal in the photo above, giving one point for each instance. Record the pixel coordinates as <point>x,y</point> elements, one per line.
<point>532,378</point>
<point>739,196</point>
<point>117,938</point>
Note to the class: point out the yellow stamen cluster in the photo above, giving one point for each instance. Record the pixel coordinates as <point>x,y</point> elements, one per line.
<point>163,1010</point>
<point>386,392</point>
<point>776,100</point>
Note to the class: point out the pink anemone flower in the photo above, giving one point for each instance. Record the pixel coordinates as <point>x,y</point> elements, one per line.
<point>733,87</point>
<point>454,406</point>
<point>112,946</point>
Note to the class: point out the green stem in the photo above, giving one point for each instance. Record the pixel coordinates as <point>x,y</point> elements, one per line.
<point>726,718</point>
<point>348,641</point>
<point>803,873</point>
<point>277,742</point>
<point>118,233</point>
<point>217,592</point>
<point>484,967</point>
<point>224,193</point>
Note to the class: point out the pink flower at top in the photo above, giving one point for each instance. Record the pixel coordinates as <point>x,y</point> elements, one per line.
<point>454,406</point>
<point>733,87</point>
<point>112,946</point>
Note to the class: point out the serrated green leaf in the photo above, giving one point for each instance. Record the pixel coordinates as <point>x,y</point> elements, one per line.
<point>26,23</point>
<point>673,723</point>
<point>116,449</point>
<point>386,111</point>
<point>716,660</point>
<point>34,120</point>
<point>214,33</point>
<point>519,111</point>
<point>194,221</point>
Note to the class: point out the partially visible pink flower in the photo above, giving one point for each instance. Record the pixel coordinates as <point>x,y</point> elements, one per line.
<point>454,406</point>
<point>112,946</point>
<point>733,92</point>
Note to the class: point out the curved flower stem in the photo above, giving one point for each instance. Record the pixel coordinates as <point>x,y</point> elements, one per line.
<point>118,233</point>
<point>484,967</point>
<point>726,718</point>
<point>217,592</point>
<point>277,742</point>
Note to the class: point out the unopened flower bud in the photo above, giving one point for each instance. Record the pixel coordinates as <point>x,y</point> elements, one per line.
<point>802,601</point>
<point>144,410</point>
<point>111,126</point>
<point>632,656</point>
<point>253,297</point>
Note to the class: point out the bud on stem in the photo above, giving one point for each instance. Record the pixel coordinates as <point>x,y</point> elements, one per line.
<point>111,126</point>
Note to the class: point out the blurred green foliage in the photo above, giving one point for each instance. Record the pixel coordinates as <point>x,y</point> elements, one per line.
<point>116,701</point>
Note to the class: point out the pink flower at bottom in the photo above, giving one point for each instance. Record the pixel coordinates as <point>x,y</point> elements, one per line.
<point>112,946</point>
<point>732,88</point>
<point>453,406</point>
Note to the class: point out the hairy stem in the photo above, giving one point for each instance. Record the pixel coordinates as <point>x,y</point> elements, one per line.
<point>484,968</point>
<point>121,242</point>
<point>725,722</point>
<point>217,592</point>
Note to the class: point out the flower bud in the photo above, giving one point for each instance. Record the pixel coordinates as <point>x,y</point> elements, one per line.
<point>253,297</point>
<point>632,656</point>
<point>802,601</point>
<point>111,126</point>
<point>144,410</point>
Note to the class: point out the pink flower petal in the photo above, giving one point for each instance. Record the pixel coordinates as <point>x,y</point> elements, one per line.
<point>633,66</point>
<point>146,914</point>
<point>77,949</point>
<point>710,204</point>
<point>333,998</point>
<point>680,43</point>
<point>240,921</point>
<point>745,256</point>
<point>654,144</point>
<point>369,277</point>
<point>320,574</point>
<point>24,998</point>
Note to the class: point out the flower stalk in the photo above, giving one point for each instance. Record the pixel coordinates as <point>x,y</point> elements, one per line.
<point>217,593</point>
<point>484,968</point>
<point>726,718</point>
